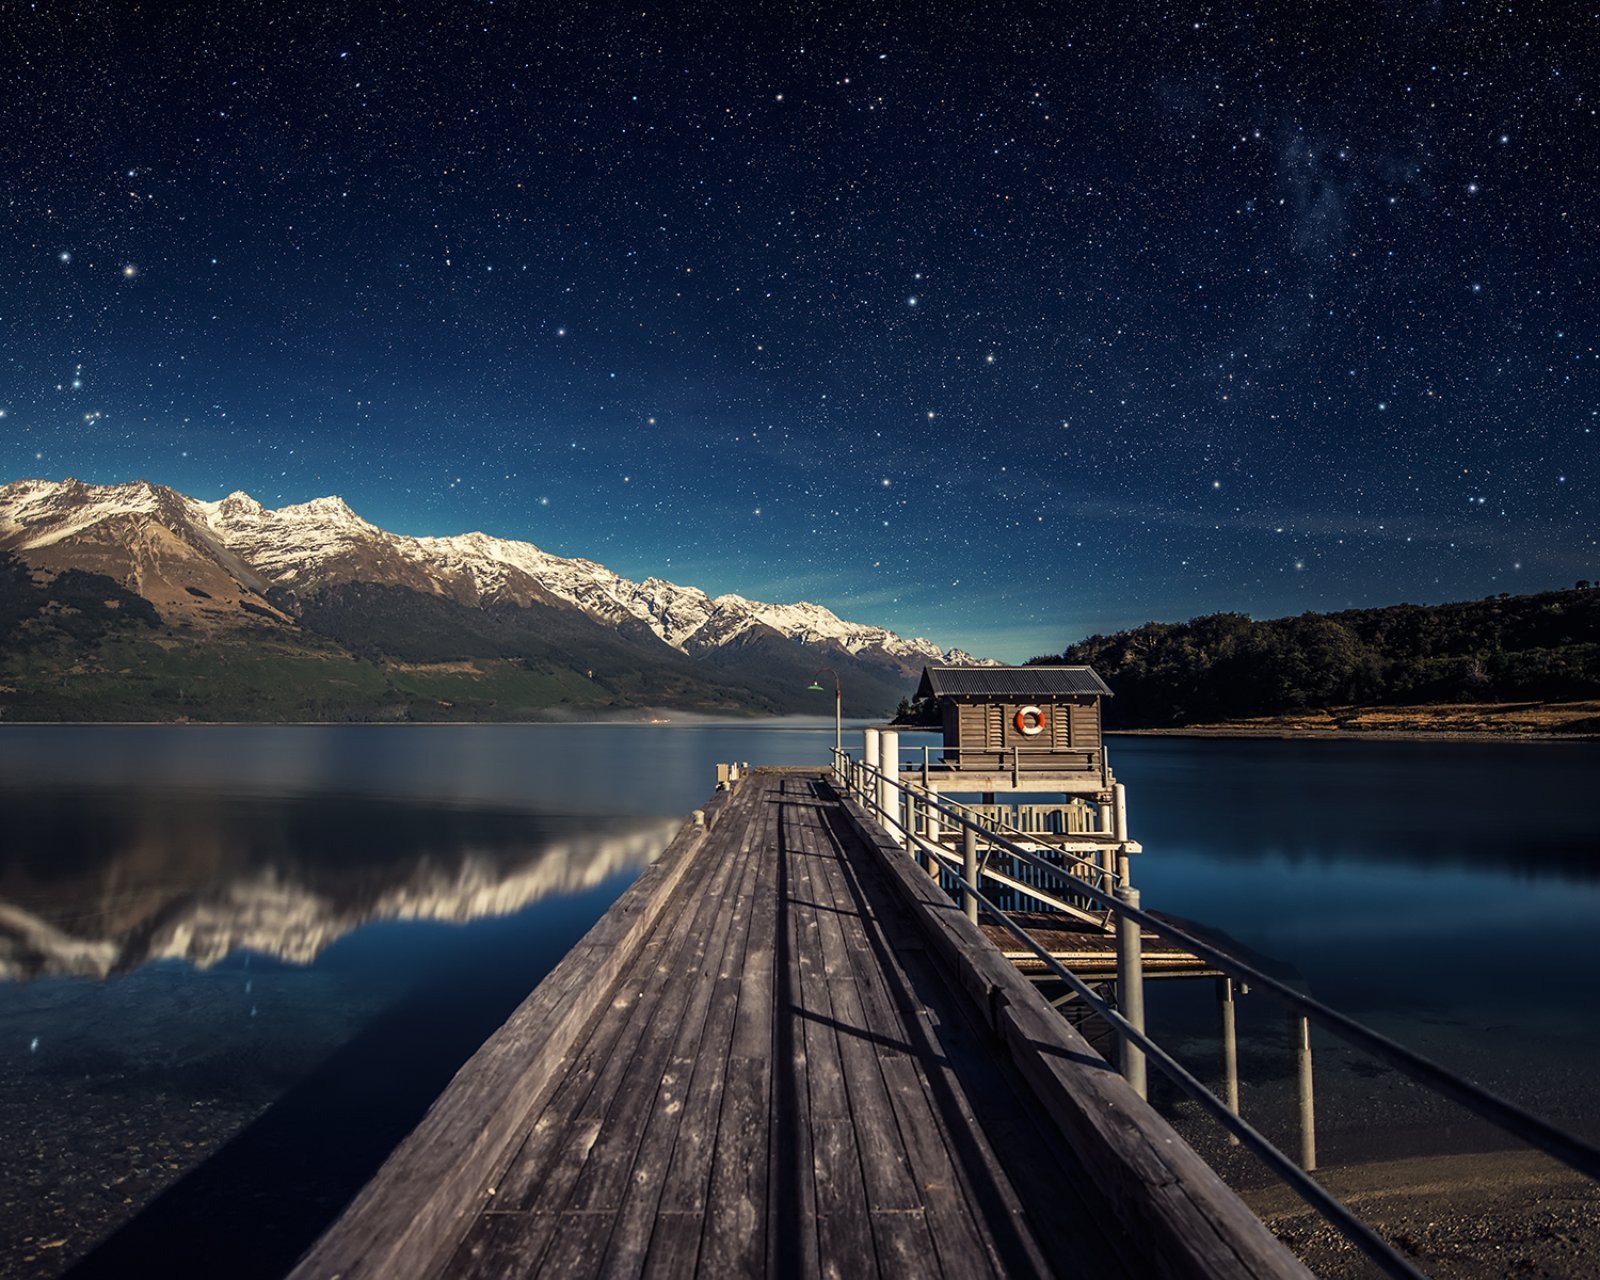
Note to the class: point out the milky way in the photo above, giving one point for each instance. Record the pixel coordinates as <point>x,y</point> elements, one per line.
<point>995,323</point>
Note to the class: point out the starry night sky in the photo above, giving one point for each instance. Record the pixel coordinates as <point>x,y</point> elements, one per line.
<point>999,324</point>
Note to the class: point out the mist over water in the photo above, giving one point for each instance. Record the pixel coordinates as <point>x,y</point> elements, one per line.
<point>243,960</point>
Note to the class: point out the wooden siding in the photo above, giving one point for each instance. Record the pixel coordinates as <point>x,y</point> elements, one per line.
<point>974,728</point>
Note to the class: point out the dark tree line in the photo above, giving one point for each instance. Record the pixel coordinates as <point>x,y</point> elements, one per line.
<point>1226,666</point>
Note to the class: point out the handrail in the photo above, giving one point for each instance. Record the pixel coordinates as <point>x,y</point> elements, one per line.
<point>986,826</point>
<point>1309,1189</point>
<point>1537,1132</point>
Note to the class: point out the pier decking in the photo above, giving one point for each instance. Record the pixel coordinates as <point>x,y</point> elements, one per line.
<point>784,1051</point>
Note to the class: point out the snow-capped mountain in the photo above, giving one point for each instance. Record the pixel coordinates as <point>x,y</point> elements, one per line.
<point>324,541</point>
<point>211,564</point>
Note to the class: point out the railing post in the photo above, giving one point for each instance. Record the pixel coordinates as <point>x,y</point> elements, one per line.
<point>1230,1050</point>
<point>888,788</point>
<point>1130,989</point>
<point>930,830</point>
<point>969,872</point>
<point>1300,1031</point>
<point>870,748</point>
<point>931,815</point>
<point>907,809</point>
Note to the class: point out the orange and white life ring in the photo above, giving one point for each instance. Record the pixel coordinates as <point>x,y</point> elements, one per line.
<point>1030,721</point>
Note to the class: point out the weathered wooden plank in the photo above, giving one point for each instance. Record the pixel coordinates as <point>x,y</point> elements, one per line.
<point>974,1213</point>
<point>792,1234</point>
<point>522,1183</point>
<point>904,1247</point>
<point>578,1245</point>
<point>721,916</point>
<point>496,1245</point>
<point>689,1174</point>
<point>540,1179</point>
<point>1038,1206</point>
<point>889,1182</point>
<point>734,1242</point>
<point>639,1000</point>
<point>415,1210</point>
<point>752,1028</point>
<point>674,1247</point>
<point>550,1168</point>
<point>734,1239</point>
<point>651,1094</point>
<point>890,1190</point>
<point>844,1228</point>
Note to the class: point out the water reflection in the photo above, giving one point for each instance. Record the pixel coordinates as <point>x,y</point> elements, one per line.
<point>1512,809</point>
<point>101,882</point>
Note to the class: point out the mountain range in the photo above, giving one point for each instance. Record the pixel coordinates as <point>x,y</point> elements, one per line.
<point>135,602</point>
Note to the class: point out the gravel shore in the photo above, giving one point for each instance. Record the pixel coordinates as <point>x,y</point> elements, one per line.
<point>1458,1217</point>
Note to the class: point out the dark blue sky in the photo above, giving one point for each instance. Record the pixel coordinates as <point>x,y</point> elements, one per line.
<point>1000,324</point>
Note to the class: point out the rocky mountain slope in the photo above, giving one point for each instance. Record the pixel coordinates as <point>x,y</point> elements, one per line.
<point>232,610</point>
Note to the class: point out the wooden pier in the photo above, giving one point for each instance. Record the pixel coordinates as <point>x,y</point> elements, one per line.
<point>785,1052</point>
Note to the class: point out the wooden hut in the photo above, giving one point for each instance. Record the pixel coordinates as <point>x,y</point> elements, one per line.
<point>1029,720</point>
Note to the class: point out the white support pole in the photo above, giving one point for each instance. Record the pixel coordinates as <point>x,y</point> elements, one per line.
<point>933,815</point>
<point>1300,1031</point>
<point>889,802</point>
<point>1230,1050</point>
<point>1130,989</point>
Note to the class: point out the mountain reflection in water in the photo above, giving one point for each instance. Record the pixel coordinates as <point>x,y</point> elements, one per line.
<point>105,881</point>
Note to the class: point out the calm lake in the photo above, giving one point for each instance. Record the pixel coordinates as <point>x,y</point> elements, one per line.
<point>236,964</point>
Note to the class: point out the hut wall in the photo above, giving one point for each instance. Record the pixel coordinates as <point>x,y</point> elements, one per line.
<point>976,727</point>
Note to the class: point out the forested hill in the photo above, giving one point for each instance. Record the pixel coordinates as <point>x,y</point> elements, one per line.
<point>1227,666</point>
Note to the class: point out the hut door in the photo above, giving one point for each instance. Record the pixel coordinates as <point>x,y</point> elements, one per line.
<point>994,727</point>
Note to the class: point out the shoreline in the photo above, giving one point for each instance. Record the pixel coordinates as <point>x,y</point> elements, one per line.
<point>1242,733</point>
<point>1573,720</point>
<point>1309,734</point>
<point>1444,722</point>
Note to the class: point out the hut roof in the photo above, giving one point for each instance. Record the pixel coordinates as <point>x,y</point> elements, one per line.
<point>1011,683</point>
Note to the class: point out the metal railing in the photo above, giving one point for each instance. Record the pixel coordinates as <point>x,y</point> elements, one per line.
<point>894,802</point>
<point>1015,758</point>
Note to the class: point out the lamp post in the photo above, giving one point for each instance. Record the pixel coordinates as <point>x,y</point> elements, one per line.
<point>838,699</point>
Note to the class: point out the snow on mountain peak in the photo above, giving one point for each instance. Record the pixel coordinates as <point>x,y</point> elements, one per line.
<point>301,544</point>
<point>44,512</point>
<point>239,500</point>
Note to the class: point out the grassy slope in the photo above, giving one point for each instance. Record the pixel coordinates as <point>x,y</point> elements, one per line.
<point>82,648</point>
